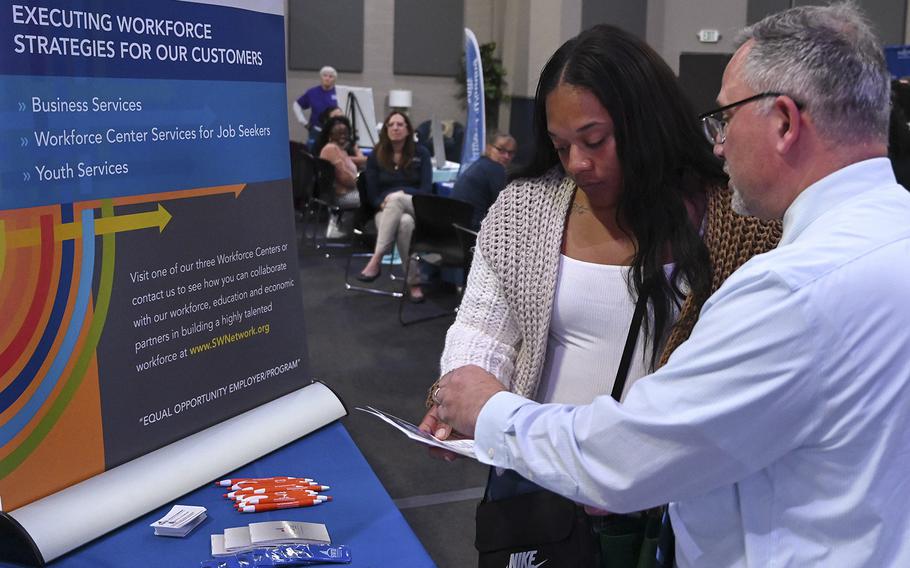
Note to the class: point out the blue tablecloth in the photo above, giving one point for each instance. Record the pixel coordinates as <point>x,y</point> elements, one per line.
<point>444,189</point>
<point>361,515</point>
<point>446,174</point>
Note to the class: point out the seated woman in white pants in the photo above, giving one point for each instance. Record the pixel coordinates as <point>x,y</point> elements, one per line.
<point>397,169</point>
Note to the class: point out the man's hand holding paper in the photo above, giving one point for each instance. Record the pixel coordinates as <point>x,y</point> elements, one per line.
<point>461,395</point>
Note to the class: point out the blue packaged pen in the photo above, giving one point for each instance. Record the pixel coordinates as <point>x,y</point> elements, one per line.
<point>301,555</point>
<point>284,555</point>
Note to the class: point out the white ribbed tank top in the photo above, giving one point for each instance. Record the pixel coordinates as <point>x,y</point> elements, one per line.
<point>592,311</point>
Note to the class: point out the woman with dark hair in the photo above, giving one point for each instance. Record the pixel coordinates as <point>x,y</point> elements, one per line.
<point>396,169</point>
<point>623,200</point>
<point>353,149</point>
<point>328,113</point>
<point>634,150</point>
<point>335,146</point>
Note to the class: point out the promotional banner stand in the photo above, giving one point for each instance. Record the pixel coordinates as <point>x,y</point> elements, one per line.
<point>54,525</point>
<point>152,332</point>
<point>16,545</point>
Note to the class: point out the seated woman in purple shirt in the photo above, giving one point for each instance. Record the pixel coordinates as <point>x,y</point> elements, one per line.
<point>397,169</point>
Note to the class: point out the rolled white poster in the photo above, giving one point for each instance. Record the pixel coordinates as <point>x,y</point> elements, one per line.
<point>59,522</point>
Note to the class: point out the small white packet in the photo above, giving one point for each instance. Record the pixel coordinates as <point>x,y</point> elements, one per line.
<point>179,521</point>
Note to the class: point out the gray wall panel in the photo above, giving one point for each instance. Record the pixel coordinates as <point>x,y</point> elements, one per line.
<point>888,16</point>
<point>429,37</point>
<point>758,9</point>
<point>700,76</point>
<point>630,16</point>
<point>680,21</point>
<point>325,32</point>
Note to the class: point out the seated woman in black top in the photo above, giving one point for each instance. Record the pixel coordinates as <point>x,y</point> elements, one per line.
<point>397,169</point>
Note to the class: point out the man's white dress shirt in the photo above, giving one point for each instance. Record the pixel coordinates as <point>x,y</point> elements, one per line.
<point>780,431</point>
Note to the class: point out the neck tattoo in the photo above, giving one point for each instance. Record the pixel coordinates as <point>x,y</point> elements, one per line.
<point>579,209</point>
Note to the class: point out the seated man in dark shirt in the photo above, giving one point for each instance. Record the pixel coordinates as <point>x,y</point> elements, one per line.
<point>481,183</point>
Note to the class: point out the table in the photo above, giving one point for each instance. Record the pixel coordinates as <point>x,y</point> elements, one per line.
<point>443,189</point>
<point>362,515</point>
<point>447,173</point>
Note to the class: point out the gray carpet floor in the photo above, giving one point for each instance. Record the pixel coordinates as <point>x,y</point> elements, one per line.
<point>357,346</point>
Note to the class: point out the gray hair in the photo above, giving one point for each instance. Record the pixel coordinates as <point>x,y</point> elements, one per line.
<point>830,61</point>
<point>330,70</point>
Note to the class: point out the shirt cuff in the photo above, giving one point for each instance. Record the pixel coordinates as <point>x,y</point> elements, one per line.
<point>494,428</point>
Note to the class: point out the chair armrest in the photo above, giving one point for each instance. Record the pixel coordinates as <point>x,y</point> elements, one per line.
<point>464,229</point>
<point>331,207</point>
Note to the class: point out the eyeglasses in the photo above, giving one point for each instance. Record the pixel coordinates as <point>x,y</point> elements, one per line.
<point>714,124</point>
<point>502,150</point>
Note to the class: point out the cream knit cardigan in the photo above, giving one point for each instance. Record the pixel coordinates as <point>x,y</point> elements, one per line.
<point>504,317</point>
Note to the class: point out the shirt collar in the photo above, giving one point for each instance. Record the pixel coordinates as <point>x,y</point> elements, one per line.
<point>832,190</point>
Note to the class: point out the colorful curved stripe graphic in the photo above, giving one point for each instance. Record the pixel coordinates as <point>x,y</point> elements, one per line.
<point>14,390</point>
<point>2,247</point>
<point>50,348</point>
<point>46,424</point>
<point>15,349</point>
<point>73,329</point>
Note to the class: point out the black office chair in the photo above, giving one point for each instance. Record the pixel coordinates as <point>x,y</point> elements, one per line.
<point>303,176</point>
<point>436,240</point>
<point>323,201</point>
<point>314,198</point>
<point>364,234</point>
<point>468,239</point>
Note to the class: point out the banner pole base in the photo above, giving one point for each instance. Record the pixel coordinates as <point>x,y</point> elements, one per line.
<point>16,545</point>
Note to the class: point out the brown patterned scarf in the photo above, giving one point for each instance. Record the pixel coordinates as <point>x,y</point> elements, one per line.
<point>731,240</point>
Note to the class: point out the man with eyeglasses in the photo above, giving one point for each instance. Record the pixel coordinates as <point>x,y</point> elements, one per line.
<point>481,183</point>
<point>780,431</point>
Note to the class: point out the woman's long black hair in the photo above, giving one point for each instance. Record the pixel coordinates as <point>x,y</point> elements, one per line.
<point>662,152</point>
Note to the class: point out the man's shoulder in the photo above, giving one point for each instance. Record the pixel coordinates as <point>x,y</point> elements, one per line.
<point>840,250</point>
<point>481,169</point>
<point>487,164</point>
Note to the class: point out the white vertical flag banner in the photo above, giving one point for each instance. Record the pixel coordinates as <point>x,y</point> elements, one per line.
<point>475,127</point>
